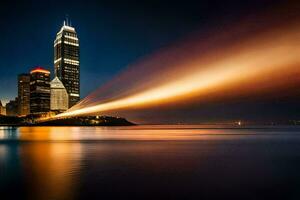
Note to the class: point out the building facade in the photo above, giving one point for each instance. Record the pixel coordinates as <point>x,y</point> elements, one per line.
<point>59,98</point>
<point>2,109</point>
<point>66,61</point>
<point>39,91</point>
<point>24,94</point>
<point>12,107</point>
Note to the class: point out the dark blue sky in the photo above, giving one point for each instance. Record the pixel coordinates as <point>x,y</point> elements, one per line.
<point>112,34</point>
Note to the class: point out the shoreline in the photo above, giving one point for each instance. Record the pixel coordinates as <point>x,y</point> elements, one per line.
<point>163,126</point>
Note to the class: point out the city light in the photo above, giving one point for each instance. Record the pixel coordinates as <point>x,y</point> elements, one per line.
<point>39,69</point>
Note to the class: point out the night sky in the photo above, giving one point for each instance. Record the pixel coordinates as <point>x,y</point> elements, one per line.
<point>115,34</point>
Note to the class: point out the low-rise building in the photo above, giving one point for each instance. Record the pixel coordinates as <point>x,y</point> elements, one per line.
<point>12,107</point>
<point>2,109</point>
<point>59,98</point>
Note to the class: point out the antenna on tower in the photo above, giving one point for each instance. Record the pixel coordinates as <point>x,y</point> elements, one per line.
<point>67,19</point>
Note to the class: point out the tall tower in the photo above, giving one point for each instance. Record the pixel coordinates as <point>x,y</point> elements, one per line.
<point>66,61</point>
<point>24,94</point>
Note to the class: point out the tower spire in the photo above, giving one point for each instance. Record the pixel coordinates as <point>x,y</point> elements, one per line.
<point>67,19</point>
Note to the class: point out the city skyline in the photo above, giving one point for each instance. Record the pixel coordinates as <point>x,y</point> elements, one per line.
<point>38,92</point>
<point>150,99</point>
<point>124,32</point>
<point>136,49</point>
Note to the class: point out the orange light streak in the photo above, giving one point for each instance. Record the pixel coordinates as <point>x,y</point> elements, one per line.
<point>249,61</point>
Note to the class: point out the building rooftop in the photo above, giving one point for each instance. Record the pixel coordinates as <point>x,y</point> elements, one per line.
<point>67,27</point>
<point>39,70</point>
<point>57,84</point>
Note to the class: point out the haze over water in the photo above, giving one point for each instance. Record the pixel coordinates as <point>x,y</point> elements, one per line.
<point>157,162</point>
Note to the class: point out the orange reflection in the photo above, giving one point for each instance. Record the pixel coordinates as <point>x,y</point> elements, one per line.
<point>70,135</point>
<point>46,133</point>
<point>52,167</point>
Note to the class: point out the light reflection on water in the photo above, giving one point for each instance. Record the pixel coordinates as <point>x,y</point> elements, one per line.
<point>148,161</point>
<point>51,168</point>
<point>161,132</point>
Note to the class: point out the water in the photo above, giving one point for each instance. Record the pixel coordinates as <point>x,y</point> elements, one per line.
<point>149,162</point>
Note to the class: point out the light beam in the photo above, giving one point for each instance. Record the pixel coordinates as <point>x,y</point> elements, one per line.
<point>247,61</point>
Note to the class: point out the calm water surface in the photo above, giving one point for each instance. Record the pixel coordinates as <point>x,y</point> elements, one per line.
<point>149,162</point>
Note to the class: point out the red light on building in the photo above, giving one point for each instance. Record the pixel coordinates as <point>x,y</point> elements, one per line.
<point>39,70</point>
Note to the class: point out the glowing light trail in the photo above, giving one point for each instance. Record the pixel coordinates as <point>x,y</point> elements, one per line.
<point>251,60</point>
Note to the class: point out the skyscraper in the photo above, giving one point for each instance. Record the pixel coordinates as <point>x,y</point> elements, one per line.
<point>24,94</point>
<point>39,90</point>
<point>66,61</point>
<point>59,98</point>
